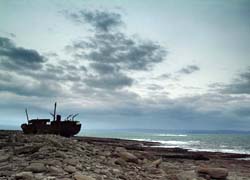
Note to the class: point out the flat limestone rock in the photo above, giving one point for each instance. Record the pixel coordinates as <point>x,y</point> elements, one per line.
<point>55,170</point>
<point>4,158</point>
<point>36,167</point>
<point>70,169</point>
<point>120,149</point>
<point>27,149</point>
<point>127,156</point>
<point>219,173</point>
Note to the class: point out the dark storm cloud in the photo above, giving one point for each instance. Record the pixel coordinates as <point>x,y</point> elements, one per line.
<point>25,72</point>
<point>100,20</point>
<point>102,68</point>
<point>18,58</point>
<point>189,69</point>
<point>110,53</point>
<point>27,87</point>
<point>120,50</point>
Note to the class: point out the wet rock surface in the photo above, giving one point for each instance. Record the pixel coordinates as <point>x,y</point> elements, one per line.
<point>51,157</point>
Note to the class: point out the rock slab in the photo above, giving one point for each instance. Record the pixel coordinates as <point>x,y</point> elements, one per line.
<point>218,173</point>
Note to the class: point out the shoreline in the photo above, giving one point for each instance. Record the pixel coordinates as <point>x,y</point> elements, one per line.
<point>158,144</point>
<point>52,157</point>
<point>148,144</point>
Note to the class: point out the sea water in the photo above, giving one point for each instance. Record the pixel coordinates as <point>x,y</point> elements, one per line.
<point>213,141</point>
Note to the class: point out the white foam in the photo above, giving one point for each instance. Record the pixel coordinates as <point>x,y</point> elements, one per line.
<point>236,151</point>
<point>191,146</point>
<point>171,143</point>
<point>180,142</point>
<point>149,140</point>
<point>223,146</point>
<point>171,135</point>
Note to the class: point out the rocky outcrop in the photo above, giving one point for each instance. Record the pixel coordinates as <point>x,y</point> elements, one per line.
<point>51,157</point>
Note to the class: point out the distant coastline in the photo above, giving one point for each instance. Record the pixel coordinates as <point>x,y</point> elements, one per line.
<point>9,127</point>
<point>175,131</point>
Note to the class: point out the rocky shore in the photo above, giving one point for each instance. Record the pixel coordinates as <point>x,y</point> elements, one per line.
<point>51,157</point>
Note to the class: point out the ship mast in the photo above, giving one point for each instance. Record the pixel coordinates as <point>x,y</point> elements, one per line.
<point>27,116</point>
<point>55,112</point>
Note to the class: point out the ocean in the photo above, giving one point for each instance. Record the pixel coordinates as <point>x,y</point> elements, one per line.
<point>213,141</point>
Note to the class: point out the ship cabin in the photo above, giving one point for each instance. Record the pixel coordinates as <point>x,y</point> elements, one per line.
<point>39,121</point>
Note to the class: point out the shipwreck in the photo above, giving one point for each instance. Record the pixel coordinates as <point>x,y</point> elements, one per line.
<point>68,127</point>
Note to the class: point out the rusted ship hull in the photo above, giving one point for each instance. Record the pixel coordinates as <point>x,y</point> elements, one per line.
<point>63,128</point>
<point>67,128</point>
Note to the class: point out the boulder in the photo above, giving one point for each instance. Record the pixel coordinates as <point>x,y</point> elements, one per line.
<point>70,169</point>
<point>36,167</point>
<point>127,156</point>
<point>120,162</point>
<point>156,163</point>
<point>55,170</point>
<point>120,149</point>
<point>217,173</point>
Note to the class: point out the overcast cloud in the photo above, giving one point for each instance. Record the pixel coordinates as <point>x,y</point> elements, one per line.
<point>118,71</point>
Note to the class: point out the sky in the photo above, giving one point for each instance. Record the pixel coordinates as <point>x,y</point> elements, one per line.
<point>127,64</point>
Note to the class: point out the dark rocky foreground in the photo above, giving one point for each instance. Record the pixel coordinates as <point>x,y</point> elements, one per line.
<point>49,157</point>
